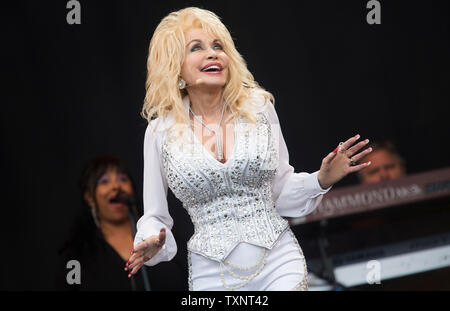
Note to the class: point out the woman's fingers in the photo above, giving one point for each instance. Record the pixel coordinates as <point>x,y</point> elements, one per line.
<point>352,150</point>
<point>136,268</point>
<point>358,167</point>
<point>328,158</point>
<point>347,144</point>
<point>132,260</point>
<point>360,155</point>
<point>337,164</point>
<point>136,265</point>
<point>131,264</point>
<point>146,248</point>
<point>135,255</point>
<point>144,251</point>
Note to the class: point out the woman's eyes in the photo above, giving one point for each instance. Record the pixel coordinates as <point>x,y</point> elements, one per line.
<point>198,46</point>
<point>103,180</point>
<point>195,48</point>
<point>121,178</point>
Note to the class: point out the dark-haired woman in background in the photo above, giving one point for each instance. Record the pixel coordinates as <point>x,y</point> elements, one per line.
<point>102,238</point>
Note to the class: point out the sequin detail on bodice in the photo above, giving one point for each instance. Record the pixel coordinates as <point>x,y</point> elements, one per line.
<point>229,202</point>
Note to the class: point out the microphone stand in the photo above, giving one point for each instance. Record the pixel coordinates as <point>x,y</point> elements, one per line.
<point>132,207</point>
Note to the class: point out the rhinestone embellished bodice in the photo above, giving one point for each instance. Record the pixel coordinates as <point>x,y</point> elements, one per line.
<point>230,202</point>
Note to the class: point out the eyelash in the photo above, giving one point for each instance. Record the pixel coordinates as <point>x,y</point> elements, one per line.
<point>123,178</point>
<point>194,48</point>
<point>105,180</point>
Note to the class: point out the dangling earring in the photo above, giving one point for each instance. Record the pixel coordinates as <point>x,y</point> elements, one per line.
<point>181,84</point>
<point>94,215</point>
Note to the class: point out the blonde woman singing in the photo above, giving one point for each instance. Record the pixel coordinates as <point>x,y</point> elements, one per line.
<point>214,138</point>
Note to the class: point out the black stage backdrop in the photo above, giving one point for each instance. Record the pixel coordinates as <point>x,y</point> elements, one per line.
<point>75,91</point>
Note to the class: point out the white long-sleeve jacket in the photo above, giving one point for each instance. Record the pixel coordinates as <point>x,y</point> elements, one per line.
<point>242,200</point>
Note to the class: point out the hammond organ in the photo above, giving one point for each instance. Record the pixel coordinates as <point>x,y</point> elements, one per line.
<point>400,227</point>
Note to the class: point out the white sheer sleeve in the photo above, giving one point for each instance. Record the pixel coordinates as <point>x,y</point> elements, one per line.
<point>156,214</point>
<point>294,194</point>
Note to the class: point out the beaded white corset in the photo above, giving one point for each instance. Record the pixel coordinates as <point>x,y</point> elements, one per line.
<point>228,202</point>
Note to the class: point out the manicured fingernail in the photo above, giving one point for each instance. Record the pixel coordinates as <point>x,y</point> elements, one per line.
<point>357,136</point>
<point>368,163</point>
<point>129,275</point>
<point>126,269</point>
<point>367,141</point>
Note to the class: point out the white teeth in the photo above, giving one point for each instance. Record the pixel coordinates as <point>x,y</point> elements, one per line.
<point>211,67</point>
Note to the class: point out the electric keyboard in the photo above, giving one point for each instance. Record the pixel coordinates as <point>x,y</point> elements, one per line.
<point>379,232</point>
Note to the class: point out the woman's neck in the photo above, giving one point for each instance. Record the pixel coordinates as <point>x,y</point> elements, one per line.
<point>113,230</point>
<point>207,104</point>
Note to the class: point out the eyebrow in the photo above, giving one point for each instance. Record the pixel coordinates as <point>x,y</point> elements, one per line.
<point>200,41</point>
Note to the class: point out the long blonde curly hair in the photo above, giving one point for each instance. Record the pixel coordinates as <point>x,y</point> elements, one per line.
<point>166,56</point>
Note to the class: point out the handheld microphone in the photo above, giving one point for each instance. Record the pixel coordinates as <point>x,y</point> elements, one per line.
<point>125,198</point>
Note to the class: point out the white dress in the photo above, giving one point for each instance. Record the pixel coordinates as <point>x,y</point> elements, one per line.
<point>241,241</point>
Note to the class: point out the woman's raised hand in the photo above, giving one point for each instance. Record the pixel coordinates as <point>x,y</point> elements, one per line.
<point>144,251</point>
<point>342,161</point>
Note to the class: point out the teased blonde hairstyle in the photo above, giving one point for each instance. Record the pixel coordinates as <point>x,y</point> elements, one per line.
<point>166,56</point>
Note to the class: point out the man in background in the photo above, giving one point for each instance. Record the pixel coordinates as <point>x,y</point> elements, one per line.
<point>387,164</point>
